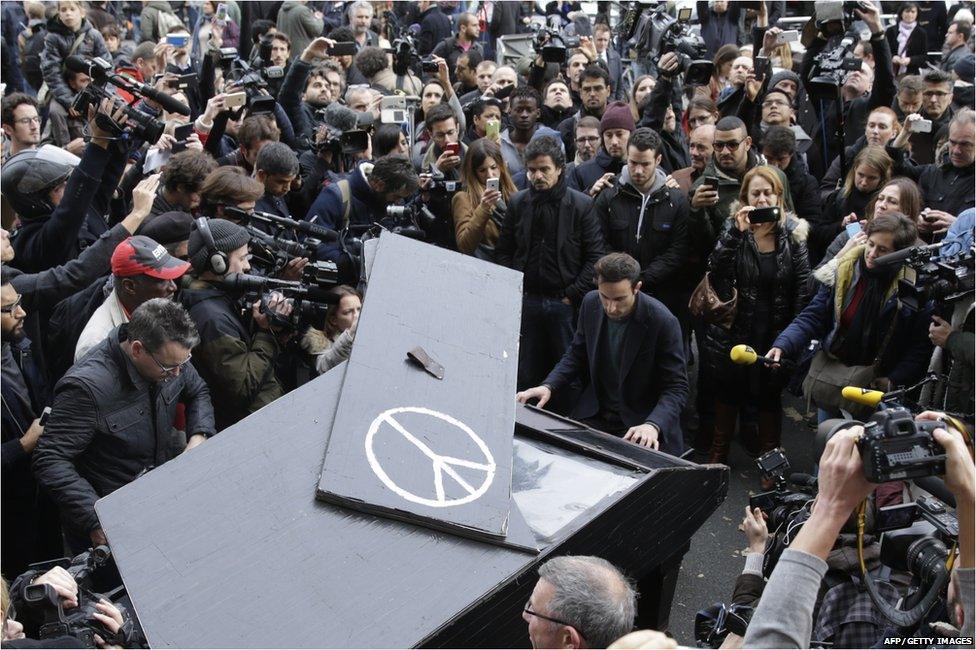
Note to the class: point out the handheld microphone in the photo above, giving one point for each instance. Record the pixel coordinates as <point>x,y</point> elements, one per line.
<point>746,356</point>
<point>99,70</point>
<point>864,396</point>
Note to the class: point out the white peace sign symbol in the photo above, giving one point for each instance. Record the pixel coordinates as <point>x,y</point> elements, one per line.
<point>441,464</point>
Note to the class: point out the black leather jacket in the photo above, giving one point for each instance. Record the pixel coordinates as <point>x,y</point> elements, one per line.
<point>108,425</point>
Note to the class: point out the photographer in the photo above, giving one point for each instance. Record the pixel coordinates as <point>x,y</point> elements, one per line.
<point>300,106</point>
<point>229,187</point>
<point>857,103</point>
<point>276,168</point>
<point>238,362</point>
<point>674,154</point>
<point>179,187</point>
<point>374,63</point>
<point>865,338</point>
<point>255,132</point>
<point>127,388</point>
<point>479,211</point>
<point>947,186</point>
<point>361,200</point>
<point>332,345</point>
<point>56,200</point>
<point>784,616</point>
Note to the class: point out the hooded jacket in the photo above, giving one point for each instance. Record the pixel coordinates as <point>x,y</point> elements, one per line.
<point>58,46</point>
<point>238,365</point>
<point>297,20</point>
<point>905,357</point>
<point>653,229</point>
<point>735,264</point>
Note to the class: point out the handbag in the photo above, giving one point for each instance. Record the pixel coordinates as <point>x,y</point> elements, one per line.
<point>828,376</point>
<point>706,304</point>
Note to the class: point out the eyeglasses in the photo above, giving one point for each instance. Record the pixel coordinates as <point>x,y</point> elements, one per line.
<point>170,370</point>
<point>551,619</point>
<point>934,93</point>
<point>28,120</point>
<point>732,145</point>
<point>774,102</point>
<point>12,307</point>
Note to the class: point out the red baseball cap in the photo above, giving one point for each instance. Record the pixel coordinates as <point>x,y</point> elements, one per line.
<point>141,255</point>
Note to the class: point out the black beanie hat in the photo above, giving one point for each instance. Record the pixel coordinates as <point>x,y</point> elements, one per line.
<point>227,236</point>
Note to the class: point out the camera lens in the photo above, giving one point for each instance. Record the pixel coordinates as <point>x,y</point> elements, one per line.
<point>927,558</point>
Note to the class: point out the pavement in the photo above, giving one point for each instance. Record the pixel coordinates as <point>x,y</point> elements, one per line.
<point>713,563</point>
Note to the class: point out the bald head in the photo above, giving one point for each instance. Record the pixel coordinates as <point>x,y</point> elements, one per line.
<point>741,67</point>
<point>700,145</point>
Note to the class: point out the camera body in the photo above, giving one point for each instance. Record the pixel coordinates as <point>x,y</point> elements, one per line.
<point>894,447</point>
<point>656,33</point>
<point>142,125</point>
<point>935,278</point>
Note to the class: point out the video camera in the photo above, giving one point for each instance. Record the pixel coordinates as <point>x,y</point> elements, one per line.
<point>309,301</point>
<point>141,125</point>
<point>39,608</point>
<point>254,78</point>
<point>409,219</point>
<point>656,33</point>
<point>944,280</point>
<point>402,45</point>
<point>552,45</point>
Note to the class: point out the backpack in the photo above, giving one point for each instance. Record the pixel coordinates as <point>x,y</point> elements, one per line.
<point>166,21</point>
<point>30,54</point>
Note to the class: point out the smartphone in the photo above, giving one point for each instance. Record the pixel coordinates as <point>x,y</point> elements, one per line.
<point>852,228</point>
<point>760,67</point>
<point>492,129</point>
<point>502,93</point>
<point>393,110</point>
<point>453,148</point>
<point>221,14</point>
<point>178,40</point>
<point>764,215</point>
<point>788,36</point>
<point>235,100</point>
<point>184,81</point>
<point>920,126</point>
<point>491,184</point>
<point>711,183</point>
<point>45,414</point>
<point>343,48</point>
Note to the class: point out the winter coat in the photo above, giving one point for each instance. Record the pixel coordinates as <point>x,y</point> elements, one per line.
<point>298,21</point>
<point>237,364</point>
<point>735,264</point>
<point>905,357</point>
<point>916,49</point>
<point>653,229</point>
<point>58,46</point>
<point>156,19</point>
<point>579,242</point>
<point>674,145</point>
<point>582,177</point>
<point>944,186</point>
<point>109,425</point>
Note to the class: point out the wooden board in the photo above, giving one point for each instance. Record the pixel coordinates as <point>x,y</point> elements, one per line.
<point>407,444</point>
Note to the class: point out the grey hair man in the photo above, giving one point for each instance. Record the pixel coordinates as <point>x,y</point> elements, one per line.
<point>580,602</point>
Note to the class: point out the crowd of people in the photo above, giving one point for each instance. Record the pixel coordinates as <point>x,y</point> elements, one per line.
<point>156,154</point>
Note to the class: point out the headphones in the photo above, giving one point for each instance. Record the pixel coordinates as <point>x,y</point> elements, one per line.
<point>217,261</point>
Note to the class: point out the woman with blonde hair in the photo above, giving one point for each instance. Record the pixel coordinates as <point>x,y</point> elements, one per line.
<point>869,171</point>
<point>765,264</point>
<point>480,212</point>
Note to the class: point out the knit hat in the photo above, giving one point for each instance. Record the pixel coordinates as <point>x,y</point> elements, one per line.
<point>965,68</point>
<point>784,75</point>
<point>617,115</point>
<point>227,236</point>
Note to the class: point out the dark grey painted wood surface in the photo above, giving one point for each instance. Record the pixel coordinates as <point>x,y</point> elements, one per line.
<point>411,446</point>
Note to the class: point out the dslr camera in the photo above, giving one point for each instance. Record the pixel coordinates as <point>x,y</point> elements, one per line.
<point>552,45</point>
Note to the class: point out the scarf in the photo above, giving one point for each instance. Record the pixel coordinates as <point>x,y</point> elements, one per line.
<point>548,199</point>
<point>858,344</point>
<point>904,31</point>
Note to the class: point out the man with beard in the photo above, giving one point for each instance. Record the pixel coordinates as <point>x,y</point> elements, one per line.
<point>484,76</point>
<point>615,128</point>
<point>557,103</point>
<point>300,106</point>
<point>595,90</point>
<point>464,71</point>
<point>645,218</point>
<point>587,140</point>
<point>21,123</point>
<point>731,160</point>
<point>628,351</point>
<point>700,148</point>
<point>550,234</point>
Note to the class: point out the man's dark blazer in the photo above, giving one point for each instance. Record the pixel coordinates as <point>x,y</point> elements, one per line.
<point>652,367</point>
